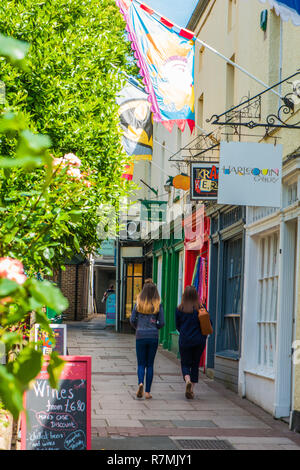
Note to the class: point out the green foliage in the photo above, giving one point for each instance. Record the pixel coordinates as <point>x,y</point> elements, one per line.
<point>55,61</point>
<point>67,91</point>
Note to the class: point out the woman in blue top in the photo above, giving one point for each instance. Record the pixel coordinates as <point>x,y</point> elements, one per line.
<point>191,341</point>
<point>147,318</point>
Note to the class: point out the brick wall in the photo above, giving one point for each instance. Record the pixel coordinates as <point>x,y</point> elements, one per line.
<point>76,293</point>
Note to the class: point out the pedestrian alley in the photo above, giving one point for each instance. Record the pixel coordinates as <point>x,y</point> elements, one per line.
<point>216,419</point>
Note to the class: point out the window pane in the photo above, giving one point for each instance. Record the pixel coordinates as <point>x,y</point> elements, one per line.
<point>138,270</point>
<point>129,270</point>
<point>268,294</point>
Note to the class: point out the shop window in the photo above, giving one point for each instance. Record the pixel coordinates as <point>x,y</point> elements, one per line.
<point>267,306</point>
<point>159,275</point>
<point>232,295</point>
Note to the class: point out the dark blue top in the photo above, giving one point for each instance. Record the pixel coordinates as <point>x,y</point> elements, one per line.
<point>189,329</point>
<point>147,325</point>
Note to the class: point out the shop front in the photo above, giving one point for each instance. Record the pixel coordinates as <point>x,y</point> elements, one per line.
<point>168,272</point>
<point>196,248</point>
<point>226,292</point>
<point>268,373</point>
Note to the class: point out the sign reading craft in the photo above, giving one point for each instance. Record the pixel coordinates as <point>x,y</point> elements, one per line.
<point>250,174</point>
<point>204,181</point>
<point>59,419</point>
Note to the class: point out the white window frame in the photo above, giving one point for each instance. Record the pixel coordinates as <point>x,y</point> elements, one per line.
<point>267,302</point>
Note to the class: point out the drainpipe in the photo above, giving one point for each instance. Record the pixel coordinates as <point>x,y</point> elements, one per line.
<point>118,284</point>
<point>280,59</point>
<point>76,292</point>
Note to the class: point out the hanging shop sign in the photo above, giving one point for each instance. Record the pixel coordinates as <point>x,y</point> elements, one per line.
<point>204,181</point>
<point>154,211</point>
<point>59,419</point>
<point>107,248</point>
<point>47,345</point>
<point>250,174</point>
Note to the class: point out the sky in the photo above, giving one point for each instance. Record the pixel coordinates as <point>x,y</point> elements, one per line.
<point>179,11</point>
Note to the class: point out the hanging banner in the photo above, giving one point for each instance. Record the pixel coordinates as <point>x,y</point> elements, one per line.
<point>154,211</point>
<point>205,179</point>
<point>250,174</point>
<point>287,9</point>
<point>165,58</point>
<point>128,171</point>
<point>136,123</point>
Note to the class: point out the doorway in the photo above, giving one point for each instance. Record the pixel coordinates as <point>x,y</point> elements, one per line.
<point>133,279</point>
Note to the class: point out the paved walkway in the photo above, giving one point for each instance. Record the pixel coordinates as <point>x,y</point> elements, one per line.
<point>216,417</point>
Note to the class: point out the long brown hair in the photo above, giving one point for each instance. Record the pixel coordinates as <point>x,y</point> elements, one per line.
<point>148,301</point>
<point>190,300</point>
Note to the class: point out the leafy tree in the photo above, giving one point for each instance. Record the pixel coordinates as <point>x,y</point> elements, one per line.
<point>67,91</point>
<point>60,159</point>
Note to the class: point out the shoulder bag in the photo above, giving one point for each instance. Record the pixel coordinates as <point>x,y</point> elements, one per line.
<point>204,319</point>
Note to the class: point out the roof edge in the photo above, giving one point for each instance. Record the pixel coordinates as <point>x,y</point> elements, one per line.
<point>197,13</point>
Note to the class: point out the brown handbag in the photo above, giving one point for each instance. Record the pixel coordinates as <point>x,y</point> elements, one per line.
<point>204,319</point>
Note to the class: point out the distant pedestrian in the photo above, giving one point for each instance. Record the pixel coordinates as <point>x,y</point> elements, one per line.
<point>191,341</point>
<point>147,318</point>
<point>110,290</point>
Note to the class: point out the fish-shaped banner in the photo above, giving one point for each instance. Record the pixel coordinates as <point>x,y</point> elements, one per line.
<point>165,56</point>
<point>136,123</point>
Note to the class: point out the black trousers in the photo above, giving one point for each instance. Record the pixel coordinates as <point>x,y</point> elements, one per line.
<point>190,358</point>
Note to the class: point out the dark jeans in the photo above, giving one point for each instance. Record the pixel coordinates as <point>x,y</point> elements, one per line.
<point>190,359</point>
<point>146,350</point>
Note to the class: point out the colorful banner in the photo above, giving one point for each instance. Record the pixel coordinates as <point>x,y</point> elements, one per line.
<point>136,123</point>
<point>287,9</point>
<point>250,174</point>
<point>165,56</point>
<point>128,171</point>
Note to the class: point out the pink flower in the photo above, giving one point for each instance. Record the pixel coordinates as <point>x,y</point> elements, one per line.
<point>72,159</point>
<point>12,269</point>
<point>74,172</point>
<point>58,162</point>
<point>88,184</point>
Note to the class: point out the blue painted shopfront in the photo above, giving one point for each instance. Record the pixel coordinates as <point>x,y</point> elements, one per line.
<point>226,292</point>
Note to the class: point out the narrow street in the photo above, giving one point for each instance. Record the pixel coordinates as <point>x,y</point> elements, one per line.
<point>217,418</point>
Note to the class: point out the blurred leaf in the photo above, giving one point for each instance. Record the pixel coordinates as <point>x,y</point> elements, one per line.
<point>10,339</point>
<point>48,294</point>
<point>11,392</point>
<point>14,50</point>
<point>7,287</point>
<point>27,365</point>
<point>55,368</point>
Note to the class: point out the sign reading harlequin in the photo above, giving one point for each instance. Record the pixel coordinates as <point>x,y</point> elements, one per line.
<point>250,174</point>
<point>204,181</point>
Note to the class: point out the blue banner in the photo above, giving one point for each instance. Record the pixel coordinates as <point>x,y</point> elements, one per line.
<point>287,9</point>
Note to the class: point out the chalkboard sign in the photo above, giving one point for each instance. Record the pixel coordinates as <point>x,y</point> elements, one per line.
<point>60,334</point>
<point>59,419</point>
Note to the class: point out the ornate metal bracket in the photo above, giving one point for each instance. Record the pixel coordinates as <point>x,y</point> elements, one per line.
<point>203,143</point>
<point>248,112</point>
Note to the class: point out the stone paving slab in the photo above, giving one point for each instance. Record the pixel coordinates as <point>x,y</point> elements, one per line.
<point>215,413</point>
